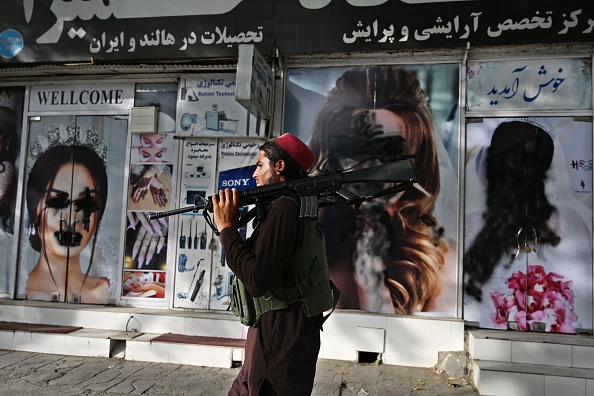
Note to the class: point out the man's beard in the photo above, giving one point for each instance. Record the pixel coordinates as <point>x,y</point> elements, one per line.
<point>273,178</point>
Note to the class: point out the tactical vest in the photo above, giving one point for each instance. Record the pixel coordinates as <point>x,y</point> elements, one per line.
<point>305,280</point>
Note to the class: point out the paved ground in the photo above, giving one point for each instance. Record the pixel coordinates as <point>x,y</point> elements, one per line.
<point>28,374</point>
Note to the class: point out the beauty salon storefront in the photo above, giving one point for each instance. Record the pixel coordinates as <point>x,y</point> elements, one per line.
<point>473,88</point>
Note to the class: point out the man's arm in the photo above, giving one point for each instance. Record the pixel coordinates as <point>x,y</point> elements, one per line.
<point>225,207</point>
<point>259,264</point>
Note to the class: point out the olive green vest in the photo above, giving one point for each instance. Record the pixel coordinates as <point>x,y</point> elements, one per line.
<point>306,280</point>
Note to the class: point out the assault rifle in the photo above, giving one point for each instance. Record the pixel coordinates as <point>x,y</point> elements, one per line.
<point>314,192</point>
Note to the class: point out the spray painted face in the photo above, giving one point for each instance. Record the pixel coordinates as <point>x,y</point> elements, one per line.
<point>376,137</point>
<point>67,223</point>
<point>367,138</point>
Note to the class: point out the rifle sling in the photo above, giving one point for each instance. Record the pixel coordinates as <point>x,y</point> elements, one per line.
<point>246,217</point>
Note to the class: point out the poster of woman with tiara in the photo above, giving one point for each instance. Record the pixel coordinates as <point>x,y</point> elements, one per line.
<point>72,209</point>
<point>528,224</point>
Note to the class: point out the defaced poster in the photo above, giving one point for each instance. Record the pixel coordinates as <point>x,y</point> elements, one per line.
<point>528,224</point>
<point>527,254</point>
<point>394,254</point>
<point>72,209</point>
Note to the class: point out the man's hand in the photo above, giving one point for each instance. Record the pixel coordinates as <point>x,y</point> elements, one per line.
<point>225,207</point>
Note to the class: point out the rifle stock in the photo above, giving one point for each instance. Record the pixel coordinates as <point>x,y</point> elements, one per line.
<point>328,187</point>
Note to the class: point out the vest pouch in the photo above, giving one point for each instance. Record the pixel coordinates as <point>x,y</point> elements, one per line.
<point>242,304</point>
<point>249,309</point>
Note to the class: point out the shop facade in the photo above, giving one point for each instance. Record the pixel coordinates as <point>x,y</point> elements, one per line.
<point>154,100</point>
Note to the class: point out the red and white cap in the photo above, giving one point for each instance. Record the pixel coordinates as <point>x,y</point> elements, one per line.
<point>298,150</point>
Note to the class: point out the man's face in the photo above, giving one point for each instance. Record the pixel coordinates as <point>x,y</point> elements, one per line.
<point>266,172</point>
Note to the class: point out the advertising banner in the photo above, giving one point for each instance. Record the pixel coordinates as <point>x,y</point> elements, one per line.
<point>207,108</point>
<point>89,31</point>
<point>362,25</point>
<point>196,241</point>
<point>43,31</point>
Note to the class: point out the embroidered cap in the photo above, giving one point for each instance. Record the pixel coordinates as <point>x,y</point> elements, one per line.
<point>298,150</point>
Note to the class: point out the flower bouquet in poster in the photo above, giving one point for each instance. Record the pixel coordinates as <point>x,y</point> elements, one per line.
<point>540,301</point>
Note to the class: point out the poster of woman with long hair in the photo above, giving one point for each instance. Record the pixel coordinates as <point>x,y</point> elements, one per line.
<point>394,254</point>
<point>528,224</point>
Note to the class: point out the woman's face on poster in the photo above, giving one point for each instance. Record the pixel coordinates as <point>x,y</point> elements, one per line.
<point>63,214</point>
<point>377,130</point>
<point>382,134</point>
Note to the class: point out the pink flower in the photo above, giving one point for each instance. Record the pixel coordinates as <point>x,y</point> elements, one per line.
<point>517,281</point>
<point>539,297</point>
<point>502,305</point>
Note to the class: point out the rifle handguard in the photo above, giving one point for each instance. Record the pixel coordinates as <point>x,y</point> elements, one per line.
<point>311,189</point>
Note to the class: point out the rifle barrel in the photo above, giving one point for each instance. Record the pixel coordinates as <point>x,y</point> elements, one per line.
<point>185,209</point>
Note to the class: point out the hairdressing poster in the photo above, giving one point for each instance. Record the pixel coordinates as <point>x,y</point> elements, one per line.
<point>149,190</point>
<point>207,108</point>
<point>394,254</point>
<point>528,224</point>
<point>11,110</point>
<point>72,209</point>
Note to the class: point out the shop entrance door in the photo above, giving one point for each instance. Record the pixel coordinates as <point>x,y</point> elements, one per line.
<point>71,217</point>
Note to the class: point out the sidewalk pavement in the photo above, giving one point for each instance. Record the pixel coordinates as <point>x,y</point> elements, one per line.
<point>29,373</point>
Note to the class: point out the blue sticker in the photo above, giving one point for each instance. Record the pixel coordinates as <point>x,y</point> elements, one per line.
<point>240,178</point>
<point>11,43</point>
